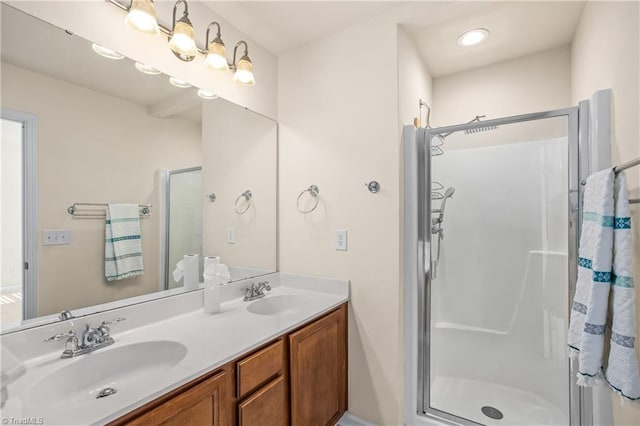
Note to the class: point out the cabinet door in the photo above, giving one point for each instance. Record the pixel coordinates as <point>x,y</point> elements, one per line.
<point>267,407</point>
<point>318,356</point>
<point>202,405</point>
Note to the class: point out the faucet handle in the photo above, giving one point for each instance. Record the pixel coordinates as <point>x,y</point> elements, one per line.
<point>264,284</point>
<point>113,321</point>
<point>65,315</point>
<point>56,337</point>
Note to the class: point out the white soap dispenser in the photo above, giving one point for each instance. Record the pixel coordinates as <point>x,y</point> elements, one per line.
<point>212,284</point>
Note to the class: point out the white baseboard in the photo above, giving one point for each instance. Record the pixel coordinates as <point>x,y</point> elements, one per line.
<point>349,419</point>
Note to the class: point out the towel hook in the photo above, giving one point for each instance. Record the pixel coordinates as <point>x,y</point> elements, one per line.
<point>247,196</point>
<point>313,191</point>
<point>373,186</point>
<point>211,197</point>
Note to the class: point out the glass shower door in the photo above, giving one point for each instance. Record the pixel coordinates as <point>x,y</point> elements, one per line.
<point>497,281</point>
<point>184,222</point>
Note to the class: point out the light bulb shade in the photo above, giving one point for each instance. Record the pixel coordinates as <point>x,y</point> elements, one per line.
<point>244,72</point>
<point>182,42</point>
<point>217,56</point>
<point>106,52</point>
<point>205,94</point>
<point>179,83</point>
<point>142,17</point>
<point>146,69</point>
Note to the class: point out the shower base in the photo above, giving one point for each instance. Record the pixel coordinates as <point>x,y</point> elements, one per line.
<point>466,398</point>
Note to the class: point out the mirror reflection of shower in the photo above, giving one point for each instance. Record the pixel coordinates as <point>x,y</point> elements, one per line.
<point>437,229</point>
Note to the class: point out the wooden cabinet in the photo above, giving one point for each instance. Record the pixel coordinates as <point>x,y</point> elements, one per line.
<point>318,371</point>
<point>258,368</point>
<point>204,404</point>
<point>269,406</point>
<point>298,379</point>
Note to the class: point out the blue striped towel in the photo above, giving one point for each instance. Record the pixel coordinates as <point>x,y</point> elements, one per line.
<point>123,243</point>
<point>605,259</point>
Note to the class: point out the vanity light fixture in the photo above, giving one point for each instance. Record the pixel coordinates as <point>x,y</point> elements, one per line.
<point>142,17</point>
<point>473,37</point>
<point>216,52</point>
<point>182,42</point>
<point>179,83</point>
<point>243,69</point>
<point>146,69</point>
<point>205,94</point>
<point>106,52</point>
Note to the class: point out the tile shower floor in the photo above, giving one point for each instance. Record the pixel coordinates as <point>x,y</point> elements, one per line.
<point>465,398</point>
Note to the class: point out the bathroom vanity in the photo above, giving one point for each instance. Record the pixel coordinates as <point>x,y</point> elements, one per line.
<point>277,360</point>
<point>300,378</point>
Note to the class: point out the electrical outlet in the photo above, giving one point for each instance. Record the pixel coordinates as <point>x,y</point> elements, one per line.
<point>56,237</point>
<point>341,239</point>
<point>231,235</point>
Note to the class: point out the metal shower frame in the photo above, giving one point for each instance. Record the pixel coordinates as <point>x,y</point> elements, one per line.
<point>578,151</point>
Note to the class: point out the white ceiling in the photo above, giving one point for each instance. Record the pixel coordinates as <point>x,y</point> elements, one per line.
<point>282,25</point>
<point>517,28</point>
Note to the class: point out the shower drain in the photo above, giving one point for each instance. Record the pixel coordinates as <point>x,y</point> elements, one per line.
<point>106,392</point>
<point>492,412</point>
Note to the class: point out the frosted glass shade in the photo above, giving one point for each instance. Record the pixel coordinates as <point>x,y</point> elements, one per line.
<point>217,56</point>
<point>182,42</point>
<point>244,72</point>
<point>142,17</point>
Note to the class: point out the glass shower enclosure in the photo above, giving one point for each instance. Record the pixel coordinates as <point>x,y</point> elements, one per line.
<point>496,215</point>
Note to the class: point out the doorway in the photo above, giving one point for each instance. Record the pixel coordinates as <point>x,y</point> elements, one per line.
<point>18,217</point>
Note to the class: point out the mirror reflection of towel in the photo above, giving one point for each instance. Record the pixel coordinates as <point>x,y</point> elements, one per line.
<point>123,243</point>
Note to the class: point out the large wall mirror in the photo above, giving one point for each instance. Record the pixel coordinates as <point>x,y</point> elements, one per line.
<point>82,130</point>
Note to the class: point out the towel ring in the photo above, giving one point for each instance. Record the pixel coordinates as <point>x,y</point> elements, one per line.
<point>314,191</point>
<point>247,196</point>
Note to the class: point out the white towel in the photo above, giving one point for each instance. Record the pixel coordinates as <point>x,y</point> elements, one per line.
<point>622,369</point>
<point>123,243</point>
<point>595,274</point>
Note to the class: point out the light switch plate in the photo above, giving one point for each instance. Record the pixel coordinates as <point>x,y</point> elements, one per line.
<point>341,239</point>
<point>231,235</point>
<point>56,237</point>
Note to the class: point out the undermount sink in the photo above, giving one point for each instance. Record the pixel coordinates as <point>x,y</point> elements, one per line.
<point>119,368</point>
<point>278,305</point>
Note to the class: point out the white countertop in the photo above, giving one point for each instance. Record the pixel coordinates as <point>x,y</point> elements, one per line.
<point>212,340</point>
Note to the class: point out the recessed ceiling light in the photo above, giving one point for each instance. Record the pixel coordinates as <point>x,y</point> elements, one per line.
<point>147,69</point>
<point>473,37</point>
<point>105,52</point>
<point>205,94</point>
<point>179,83</point>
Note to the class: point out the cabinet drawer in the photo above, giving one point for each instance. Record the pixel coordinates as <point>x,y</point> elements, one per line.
<point>267,407</point>
<point>258,368</point>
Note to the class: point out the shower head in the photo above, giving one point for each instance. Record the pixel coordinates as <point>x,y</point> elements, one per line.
<point>479,129</point>
<point>449,192</point>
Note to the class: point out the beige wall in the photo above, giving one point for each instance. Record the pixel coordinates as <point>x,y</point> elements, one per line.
<point>92,148</point>
<point>338,115</point>
<point>239,151</point>
<point>532,83</point>
<point>605,54</point>
<point>414,81</point>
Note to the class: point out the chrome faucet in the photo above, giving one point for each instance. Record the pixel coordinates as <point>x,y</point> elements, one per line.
<point>256,291</point>
<point>92,339</point>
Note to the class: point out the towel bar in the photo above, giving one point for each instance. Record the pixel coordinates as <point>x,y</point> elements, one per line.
<point>145,210</point>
